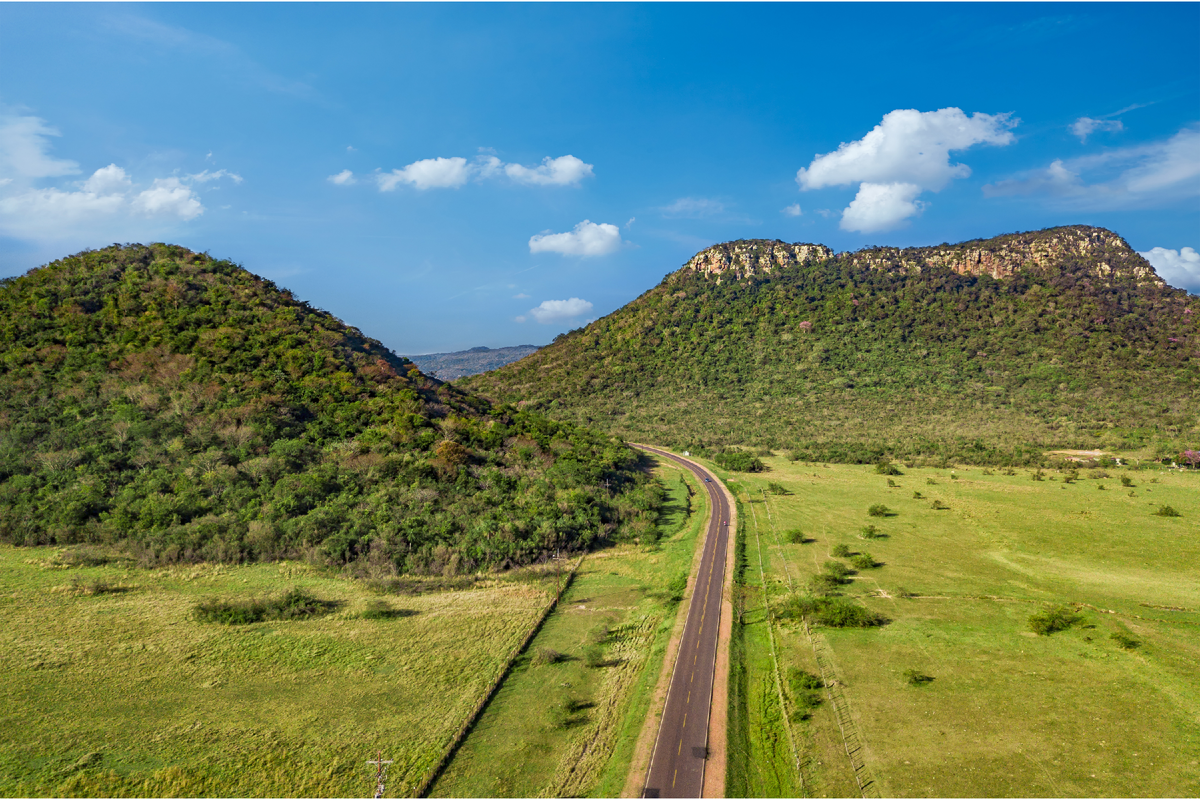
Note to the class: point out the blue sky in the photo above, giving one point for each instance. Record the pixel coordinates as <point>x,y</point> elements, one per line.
<point>446,176</point>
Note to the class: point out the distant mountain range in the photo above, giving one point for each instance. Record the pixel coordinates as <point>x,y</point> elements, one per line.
<point>988,351</point>
<point>459,364</point>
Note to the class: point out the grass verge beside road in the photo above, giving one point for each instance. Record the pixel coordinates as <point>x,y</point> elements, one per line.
<point>567,719</point>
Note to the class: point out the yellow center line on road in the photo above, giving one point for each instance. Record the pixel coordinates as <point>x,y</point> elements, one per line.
<point>673,777</point>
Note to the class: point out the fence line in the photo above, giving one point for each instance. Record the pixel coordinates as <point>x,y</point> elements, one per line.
<point>787,723</point>
<point>850,737</point>
<point>435,772</point>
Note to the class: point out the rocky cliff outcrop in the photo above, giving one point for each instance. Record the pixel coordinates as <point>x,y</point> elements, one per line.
<point>1096,252</point>
<point>1093,252</point>
<point>749,257</point>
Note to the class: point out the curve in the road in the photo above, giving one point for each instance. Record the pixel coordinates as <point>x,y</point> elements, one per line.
<point>681,752</point>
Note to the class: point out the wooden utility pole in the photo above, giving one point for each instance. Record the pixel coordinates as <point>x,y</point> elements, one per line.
<point>380,774</point>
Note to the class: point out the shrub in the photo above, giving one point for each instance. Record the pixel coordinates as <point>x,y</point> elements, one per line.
<point>930,482</point>
<point>676,587</point>
<point>886,467</point>
<point>915,678</point>
<point>864,561</point>
<point>1167,511</point>
<point>776,488</point>
<point>598,635</point>
<point>293,605</point>
<point>871,532</point>
<point>838,612</point>
<point>918,496</point>
<point>938,505</point>
<point>837,569</point>
<point>840,551</point>
<point>825,583</point>
<point>879,510</point>
<point>795,536</point>
<point>1125,641</point>
<point>1038,475</point>
<point>379,609</point>
<point>1126,481</point>
<point>805,690</point>
<point>593,656</point>
<point>1100,486</point>
<point>739,461</point>
<point>548,655</point>
<point>1053,620</point>
<point>832,612</point>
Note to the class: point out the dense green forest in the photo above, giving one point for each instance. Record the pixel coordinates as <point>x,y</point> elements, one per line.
<point>890,352</point>
<point>182,408</point>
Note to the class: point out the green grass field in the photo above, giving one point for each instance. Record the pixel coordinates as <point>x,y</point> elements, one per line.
<point>122,691</point>
<point>1007,712</point>
<point>569,728</point>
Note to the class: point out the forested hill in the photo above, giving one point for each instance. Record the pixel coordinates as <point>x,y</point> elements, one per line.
<point>988,351</point>
<point>183,408</point>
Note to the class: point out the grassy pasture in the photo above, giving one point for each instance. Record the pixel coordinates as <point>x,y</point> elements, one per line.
<point>1080,712</point>
<point>112,686</point>
<point>568,727</point>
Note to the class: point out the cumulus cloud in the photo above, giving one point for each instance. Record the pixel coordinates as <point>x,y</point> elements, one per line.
<point>343,178</point>
<point>1086,126</point>
<point>441,173</point>
<point>1150,174</point>
<point>693,207</point>
<point>881,207</point>
<point>108,205</point>
<point>792,211</point>
<point>561,171</point>
<point>1180,268</point>
<point>558,310</point>
<point>588,239</point>
<point>168,197</point>
<point>429,173</point>
<point>908,148</point>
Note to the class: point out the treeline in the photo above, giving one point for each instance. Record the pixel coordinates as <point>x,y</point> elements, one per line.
<point>848,363</point>
<point>181,408</point>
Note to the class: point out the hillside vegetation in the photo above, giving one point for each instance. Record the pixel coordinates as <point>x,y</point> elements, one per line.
<point>989,351</point>
<point>185,409</point>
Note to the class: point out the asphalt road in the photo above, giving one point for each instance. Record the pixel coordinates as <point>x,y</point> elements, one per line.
<point>681,750</point>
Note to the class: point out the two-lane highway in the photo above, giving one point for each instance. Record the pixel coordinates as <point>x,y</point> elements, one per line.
<point>681,750</point>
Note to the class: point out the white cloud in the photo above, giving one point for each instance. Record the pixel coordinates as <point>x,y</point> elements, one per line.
<point>521,296</point>
<point>168,197</point>
<point>908,146</point>
<point>791,211</point>
<point>631,221</point>
<point>24,150</point>
<point>881,207</point>
<point>107,206</point>
<point>441,173</point>
<point>561,171</point>
<point>693,207</point>
<point>907,149</point>
<point>1179,268</point>
<point>1150,174</point>
<point>108,180</point>
<point>206,176</point>
<point>343,178</point>
<point>1086,126</point>
<point>588,239</point>
<point>558,310</point>
<point>429,173</point>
